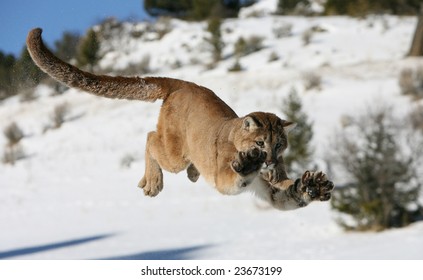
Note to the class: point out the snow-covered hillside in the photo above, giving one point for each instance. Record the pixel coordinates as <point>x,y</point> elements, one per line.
<point>72,196</point>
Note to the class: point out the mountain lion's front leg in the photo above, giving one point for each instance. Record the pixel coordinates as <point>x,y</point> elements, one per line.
<point>246,165</point>
<point>236,173</point>
<point>289,195</point>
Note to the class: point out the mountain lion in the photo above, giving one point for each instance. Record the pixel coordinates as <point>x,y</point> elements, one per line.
<point>199,132</point>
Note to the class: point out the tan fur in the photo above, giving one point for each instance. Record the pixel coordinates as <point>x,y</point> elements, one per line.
<point>196,130</point>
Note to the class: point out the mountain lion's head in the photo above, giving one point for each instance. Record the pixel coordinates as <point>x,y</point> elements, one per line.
<point>266,132</point>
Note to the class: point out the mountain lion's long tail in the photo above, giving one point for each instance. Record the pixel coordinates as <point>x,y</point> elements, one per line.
<point>134,88</point>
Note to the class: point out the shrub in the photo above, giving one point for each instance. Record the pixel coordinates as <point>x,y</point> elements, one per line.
<point>236,67</point>
<point>406,81</point>
<point>416,118</point>
<point>383,187</point>
<point>255,43</point>
<point>11,154</point>
<point>59,114</point>
<point>245,47</point>
<point>312,80</point>
<point>13,134</point>
<point>273,57</point>
<point>306,37</point>
<point>27,95</point>
<point>127,160</point>
<point>281,30</point>
<point>13,150</point>
<point>411,82</point>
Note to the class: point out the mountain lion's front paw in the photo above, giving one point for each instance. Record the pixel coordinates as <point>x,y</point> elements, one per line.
<point>316,186</point>
<point>248,162</point>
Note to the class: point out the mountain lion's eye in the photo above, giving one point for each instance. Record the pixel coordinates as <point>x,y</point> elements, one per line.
<point>260,143</point>
<point>278,145</point>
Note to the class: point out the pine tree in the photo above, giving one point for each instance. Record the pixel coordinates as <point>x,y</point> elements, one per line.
<point>88,50</point>
<point>384,188</point>
<point>215,41</point>
<point>7,63</point>
<point>298,155</point>
<point>66,47</point>
<point>25,73</point>
<point>363,7</point>
<point>202,9</point>
<point>178,8</point>
<point>195,9</point>
<point>288,6</point>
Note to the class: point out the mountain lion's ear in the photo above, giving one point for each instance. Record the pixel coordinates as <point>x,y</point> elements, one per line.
<point>249,124</point>
<point>288,126</point>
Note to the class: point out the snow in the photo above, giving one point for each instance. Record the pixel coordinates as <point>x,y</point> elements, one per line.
<point>72,198</point>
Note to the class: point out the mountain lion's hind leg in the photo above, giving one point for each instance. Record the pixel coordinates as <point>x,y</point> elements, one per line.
<point>152,182</point>
<point>193,173</point>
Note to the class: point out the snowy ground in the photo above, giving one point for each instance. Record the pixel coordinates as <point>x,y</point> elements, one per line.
<point>71,198</point>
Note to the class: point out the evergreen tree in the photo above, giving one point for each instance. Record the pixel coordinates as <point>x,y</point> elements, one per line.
<point>194,9</point>
<point>88,48</point>
<point>363,7</point>
<point>179,8</point>
<point>25,73</point>
<point>202,9</point>
<point>216,42</point>
<point>384,187</point>
<point>289,6</point>
<point>298,155</point>
<point>7,63</point>
<point>66,47</point>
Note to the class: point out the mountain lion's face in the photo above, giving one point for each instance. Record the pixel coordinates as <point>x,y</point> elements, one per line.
<point>266,132</point>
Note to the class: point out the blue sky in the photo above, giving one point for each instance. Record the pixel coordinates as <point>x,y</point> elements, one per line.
<point>17,17</point>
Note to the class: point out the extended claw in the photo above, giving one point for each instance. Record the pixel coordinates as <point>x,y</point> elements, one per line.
<point>328,186</point>
<point>236,165</point>
<point>325,196</point>
<point>248,162</point>
<point>306,180</point>
<point>316,185</point>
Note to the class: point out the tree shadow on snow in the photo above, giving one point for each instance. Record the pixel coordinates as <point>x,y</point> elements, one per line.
<point>51,246</point>
<point>185,253</point>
